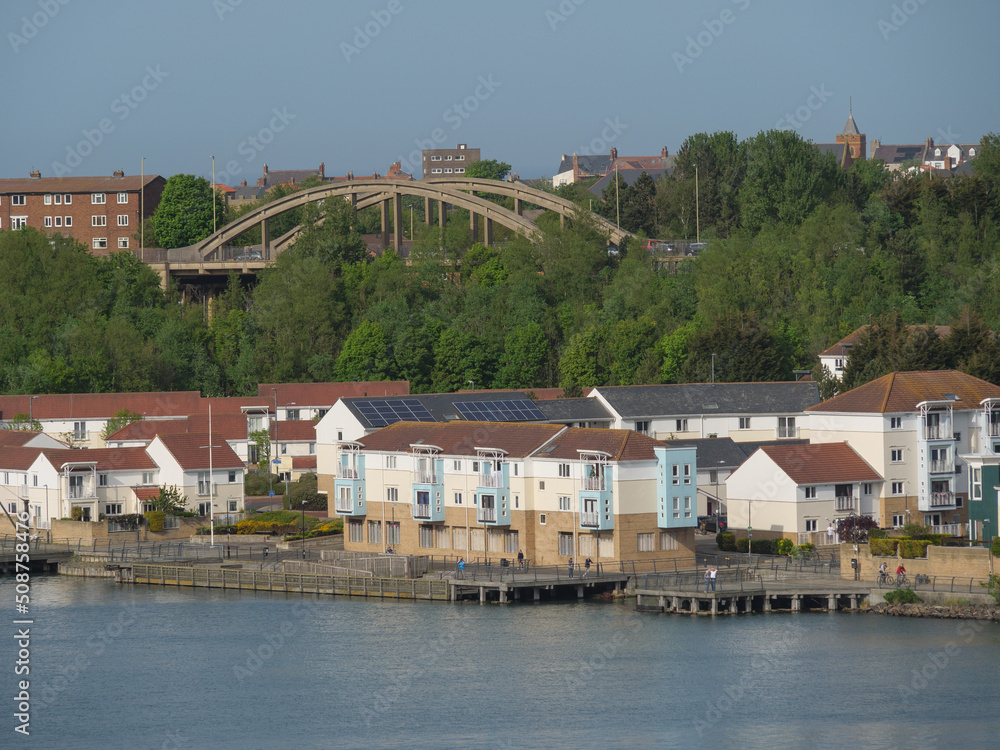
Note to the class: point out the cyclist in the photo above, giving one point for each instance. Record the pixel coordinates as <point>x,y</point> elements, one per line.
<point>883,572</point>
<point>900,573</point>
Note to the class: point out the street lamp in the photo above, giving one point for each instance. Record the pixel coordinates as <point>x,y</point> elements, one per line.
<point>31,413</point>
<point>303,527</point>
<point>211,483</point>
<point>749,531</point>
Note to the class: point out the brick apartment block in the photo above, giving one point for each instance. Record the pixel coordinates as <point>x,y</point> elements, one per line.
<point>101,212</point>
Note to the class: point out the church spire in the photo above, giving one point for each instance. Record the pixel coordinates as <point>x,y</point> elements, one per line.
<point>851,128</point>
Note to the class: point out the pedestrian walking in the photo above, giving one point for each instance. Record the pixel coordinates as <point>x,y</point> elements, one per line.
<point>586,567</point>
<point>715,572</point>
<point>571,567</point>
<point>461,567</point>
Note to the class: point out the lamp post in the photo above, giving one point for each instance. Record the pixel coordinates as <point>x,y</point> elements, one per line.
<point>31,413</point>
<point>854,540</point>
<point>270,475</point>
<point>303,527</point>
<point>211,483</point>
<point>749,531</point>
<point>213,195</point>
<point>697,208</point>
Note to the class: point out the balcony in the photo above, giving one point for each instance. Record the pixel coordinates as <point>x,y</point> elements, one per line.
<point>594,483</point>
<point>347,472</point>
<point>937,432</point>
<point>845,503</point>
<point>77,492</point>
<point>491,480</point>
<point>951,529</point>
<point>486,515</point>
<point>789,432</point>
<point>590,520</point>
<point>425,477</point>
<point>942,499</point>
<point>942,467</point>
<point>422,511</point>
<point>993,429</point>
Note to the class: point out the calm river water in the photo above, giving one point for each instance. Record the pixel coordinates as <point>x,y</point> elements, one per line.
<point>140,667</point>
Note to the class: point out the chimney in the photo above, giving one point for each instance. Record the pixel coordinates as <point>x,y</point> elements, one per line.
<point>322,170</point>
<point>265,169</point>
<point>118,173</point>
<point>36,175</point>
<point>614,153</point>
<point>876,144</point>
<point>243,183</point>
<point>664,153</point>
<point>576,165</point>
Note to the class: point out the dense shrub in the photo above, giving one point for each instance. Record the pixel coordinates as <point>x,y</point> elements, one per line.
<point>760,546</point>
<point>77,513</point>
<point>995,547</point>
<point>726,541</point>
<point>877,534</point>
<point>910,548</point>
<point>784,547</point>
<point>883,547</point>
<point>803,550</point>
<point>902,596</point>
<point>155,519</point>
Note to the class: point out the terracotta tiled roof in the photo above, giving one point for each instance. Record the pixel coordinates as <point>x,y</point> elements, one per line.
<point>462,438</point>
<point>821,463</point>
<point>303,462</point>
<point>191,452</point>
<point>854,336</point>
<point>297,430</point>
<point>108,459</point>
<point>231,404</point>
<point>146,493</point>
<point>17,458</point>
<point>101,405</point>
<point>539,394</point>
<point>229,426</point>
<point>622,445</point>
<point>900,392</point>
<point>326,394</point>
<point>75,184</point>
<point>16,437</point>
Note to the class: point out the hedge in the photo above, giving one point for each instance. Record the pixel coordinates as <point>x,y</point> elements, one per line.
<point>156,519</point>
<point>726,541</point>
<point>995,547</point>
<point>760,546</point>
<point>883,547</point>
<point>910,548</point>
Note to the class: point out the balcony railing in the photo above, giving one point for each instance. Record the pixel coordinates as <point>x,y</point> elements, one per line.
<point>937,432</point>
<point>425,477</point>
<point>594,483</point>
<point>486,515</point>
<point>347,472</point>
<point>993,429</point>
<point>422,510</point>
<point>951,529</point>
<point>845,503</point>
<point>491,479</point>
<point>942,467</point>
<point>787,432</point>
<point>344,505</point>
<point>941,499</point>
<point>589,520</point>
<point>77,492</point>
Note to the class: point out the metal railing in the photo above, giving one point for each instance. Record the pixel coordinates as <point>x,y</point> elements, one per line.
<point>951,529</point>
<point>589,520</point>
<point>492,480</point>
<point>942,467</point>
<point>425,477</point>
<point>422,510</point>
<point>594,483</point>
<point>942,499</point>
<point>486,515</point>
<point>77,492</point>
<point>937,432</point>
<point>346,472</point>
<point>993,429</point>
<point>943,584</point>
<point>845,503</point>
<point>344,505</point>
<point>731,580</point>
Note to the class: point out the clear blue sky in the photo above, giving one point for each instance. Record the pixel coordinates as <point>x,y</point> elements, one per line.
<point>177,82</point>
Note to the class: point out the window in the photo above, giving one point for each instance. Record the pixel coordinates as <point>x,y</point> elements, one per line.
<point>67,199</point>
<point>98,221</point>
<point>18,222</point>
<point>668,540</point>
<point>312,448</point>
<point>895,423</point>
<point>564,470</point>
<point>460,539</point>
<point>687,473</point>
<point>203,483</point>
<point>897,520</point>
<point>462,157</point>
<point>232,477</point>
<point>292,414</point>
<point>511,542</point>
<point>100,243</point>
<point>456,465</point>
<point>123,243</point>
<point>392,532</point>
<point>392,494</point>
<point>811,524</point>
<point>436,170</point>
<point>69,221</point>
<point>204,509</point>
<point>435,158</point>
<point>541,485</point>
<point>460,170</point>
<point>17,200</point>
<point>102,480</point>
<point>48,221</point>
<point>58,200</point>
<point>682,425</point>
<point>47,200</point>
<point>233,505</point>
<point>447,170</point>
<point>97,199</point>
<point>123,197</point>
<point>644,542</point>
<point>458,498</point>
<point>810,493</point>
<point>642,427</point>
<point>123,220</point>
<point>390,462</point>
<point>113,509</point>
<point>427,536</point>
<point>897,488</point>
<point>676,473</point>
<point>374,532</point>
<point>744,423</point>
<point>355,529</point>
<point>565,543</point>
<point>564,502</point>
<point>284,449</point>
<point>79,430</point>
<point>59,221</point>
<point>147,477</point>
<point>786,427</point>
<point>976,484</point>
<point>896,455</point>
<point>448,157</point>
<point>866,488</point>
<point>541,519</point>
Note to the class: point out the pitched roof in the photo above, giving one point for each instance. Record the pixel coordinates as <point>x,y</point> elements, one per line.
<point>18,458</point>
<point>715,453</point>
<point>440,406</point>
<point>462,438</point>
<point>146,493</point>
<point>574,410</point>
<point>900,392</point>
<point>100,405</point>
<point>128,183</point>
<point>821,463</point>
<point>228,426</point>
<point>839,150</point>
<point>851,128</point>
<point>107,459</point>
<point>191,451</point>
<point>632,401</point>
<point>621,445</point>
<point>11,438</point>
<point>303,462</point>
<point>842,346</point>
<point>596,164</point>
<point>897,154</point>
<point>326,394</point>
<point>296,430</point>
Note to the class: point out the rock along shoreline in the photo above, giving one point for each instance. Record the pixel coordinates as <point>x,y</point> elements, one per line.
<point>988,612</point>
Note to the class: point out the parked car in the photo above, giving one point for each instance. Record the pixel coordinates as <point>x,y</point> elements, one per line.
<point>711,524</point>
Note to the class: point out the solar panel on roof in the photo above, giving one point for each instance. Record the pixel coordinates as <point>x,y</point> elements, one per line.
<point>382,412</point>
<point>499,411</point>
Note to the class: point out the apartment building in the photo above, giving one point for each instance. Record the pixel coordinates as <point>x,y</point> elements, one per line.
<point>488,489</point>
<point>448,162</point>
<point>103,213</point>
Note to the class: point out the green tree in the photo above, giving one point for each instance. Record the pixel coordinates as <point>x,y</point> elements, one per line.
<point>169,501</point>
<point>261,439</point>
<point>121,418</point>
<point>524,355</point>
<point>21,421</point>
<point>184,215</point>
<point>488,169</point>
<point>366,355</point>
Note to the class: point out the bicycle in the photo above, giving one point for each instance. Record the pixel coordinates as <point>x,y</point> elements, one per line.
<point>902,581</point>
<point>886,580</point>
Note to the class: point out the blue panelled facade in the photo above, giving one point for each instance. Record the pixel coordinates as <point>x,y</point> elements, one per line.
<point>428,488</point>
<point>676,488</point>
<point>492,498</point>
<point>349,483</point>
